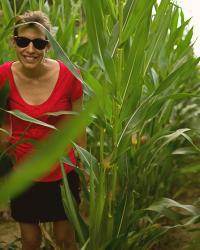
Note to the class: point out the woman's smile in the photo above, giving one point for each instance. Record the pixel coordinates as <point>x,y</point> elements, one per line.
<point>29,56</point>
<point>30,59</point>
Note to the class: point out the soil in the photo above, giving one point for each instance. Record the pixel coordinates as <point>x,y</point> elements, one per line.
<point>9,232</point>
<point>176,239</point>
<point>188,238</point>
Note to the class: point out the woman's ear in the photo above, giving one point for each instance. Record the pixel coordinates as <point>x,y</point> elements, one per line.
<point>48,47</point>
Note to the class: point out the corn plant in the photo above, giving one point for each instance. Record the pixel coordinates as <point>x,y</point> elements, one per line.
<point>138,58</point>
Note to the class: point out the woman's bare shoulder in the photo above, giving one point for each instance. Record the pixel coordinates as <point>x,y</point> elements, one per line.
<point>52,63</point>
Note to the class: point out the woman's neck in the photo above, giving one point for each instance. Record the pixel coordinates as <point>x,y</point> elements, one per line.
<point>34,73</point>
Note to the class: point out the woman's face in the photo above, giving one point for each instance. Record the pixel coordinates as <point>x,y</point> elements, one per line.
<point>29,56</point>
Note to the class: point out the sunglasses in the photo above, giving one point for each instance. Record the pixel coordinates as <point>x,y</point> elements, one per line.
<point>23,42</point>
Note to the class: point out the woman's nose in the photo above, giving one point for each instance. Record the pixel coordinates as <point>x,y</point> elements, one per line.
<point>30,47</point>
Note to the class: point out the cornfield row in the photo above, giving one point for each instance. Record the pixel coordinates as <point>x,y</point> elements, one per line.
<point>139,72</point>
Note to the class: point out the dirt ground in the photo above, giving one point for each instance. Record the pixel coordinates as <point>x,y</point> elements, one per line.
<point>176,239</point>
<point>180,239</point>
<point>184,239</point>
<point>9,232</point>
<point>9,237</point>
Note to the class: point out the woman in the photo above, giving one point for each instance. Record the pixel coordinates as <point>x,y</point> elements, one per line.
<point>39,85</point>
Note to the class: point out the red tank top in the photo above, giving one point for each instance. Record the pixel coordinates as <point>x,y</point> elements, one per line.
<point>67,89</point>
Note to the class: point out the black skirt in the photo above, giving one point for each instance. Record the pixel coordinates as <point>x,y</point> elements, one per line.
<point>42,202</point>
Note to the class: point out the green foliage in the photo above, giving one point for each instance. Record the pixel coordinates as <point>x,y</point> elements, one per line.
<point>3,101</point>
<point>139,70</point>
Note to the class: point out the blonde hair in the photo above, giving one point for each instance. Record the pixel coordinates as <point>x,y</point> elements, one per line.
<point>32,16</point>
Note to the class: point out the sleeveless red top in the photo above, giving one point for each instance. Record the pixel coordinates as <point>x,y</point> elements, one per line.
<point>67,89</point>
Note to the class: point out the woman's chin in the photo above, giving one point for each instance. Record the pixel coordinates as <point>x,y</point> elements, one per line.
<point>30,64</point>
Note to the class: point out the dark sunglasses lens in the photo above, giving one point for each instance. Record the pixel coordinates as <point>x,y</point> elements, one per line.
<point>40,43</point>
<point>22,42</point>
